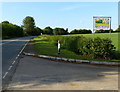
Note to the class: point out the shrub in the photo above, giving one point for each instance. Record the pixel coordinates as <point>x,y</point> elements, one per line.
<point>70,43</point>
<point>54,39</point>
<point>98,47</point>
<point>103,31</point>
<point>80,31</point>
<point>60,31</point>
<point>102,47</point>
<point>85,46</point>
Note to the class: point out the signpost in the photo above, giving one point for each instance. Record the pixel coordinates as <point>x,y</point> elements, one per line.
<point>58,46</point>
<point>101,22</point>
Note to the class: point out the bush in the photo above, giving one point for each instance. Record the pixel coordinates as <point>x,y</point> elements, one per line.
<point>54,39</point>
<point>10,30</point>
<point>70,43</point>
<point>98,47</point>
<point>102,47</point>
<point>81,31</point>
<point>60,31</point>
<point>103,31</point>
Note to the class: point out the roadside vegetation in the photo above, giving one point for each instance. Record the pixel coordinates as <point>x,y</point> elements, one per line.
<point>28,28</point>
<point>71,47</point>
<point>115,37</point>
<point>10,30</point>
<point>103,45</point>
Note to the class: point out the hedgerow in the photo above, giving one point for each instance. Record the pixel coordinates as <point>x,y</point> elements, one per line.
<point>97,47</point>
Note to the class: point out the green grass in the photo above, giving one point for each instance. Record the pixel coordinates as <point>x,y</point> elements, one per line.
<point>115,37</point>
<point>44,47</point>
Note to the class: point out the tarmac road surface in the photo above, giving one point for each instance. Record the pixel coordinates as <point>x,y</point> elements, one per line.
<point>41,74</point>
<point>11,50</point>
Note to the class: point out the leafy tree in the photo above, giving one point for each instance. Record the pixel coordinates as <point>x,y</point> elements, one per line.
<point>103,31</point>
<point>59,31</point>
<point>10,30</point>
<point>80,31</point>
<point>38,31</point>
<point>66,31</point>
<point>48,30</point>
<point>75,31</point>
<point>29,25</point>
<point>6,22</point>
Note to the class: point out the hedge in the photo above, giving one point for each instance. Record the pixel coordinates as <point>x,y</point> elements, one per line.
<point>95,48</point>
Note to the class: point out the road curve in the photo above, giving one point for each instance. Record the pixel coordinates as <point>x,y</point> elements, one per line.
<point>11,48</point>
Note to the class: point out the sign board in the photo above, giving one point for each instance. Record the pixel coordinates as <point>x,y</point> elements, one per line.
<point>102,23</point>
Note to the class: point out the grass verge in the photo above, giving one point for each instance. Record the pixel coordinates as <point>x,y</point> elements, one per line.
<point>44,47</point>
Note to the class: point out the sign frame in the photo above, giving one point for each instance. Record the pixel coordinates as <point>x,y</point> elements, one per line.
<point>100,26</point>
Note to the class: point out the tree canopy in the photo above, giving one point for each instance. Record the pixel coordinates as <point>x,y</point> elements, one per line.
<point>60,31</point>
<point>48,30</point>
<point>80,31</point>
<point>103,31</point>
<point>29,25</point>
<point>37,31</point>
<point>10,30</point>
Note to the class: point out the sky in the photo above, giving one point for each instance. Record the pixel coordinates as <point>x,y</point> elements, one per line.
<point>119,13</point>
<point>71,15</point>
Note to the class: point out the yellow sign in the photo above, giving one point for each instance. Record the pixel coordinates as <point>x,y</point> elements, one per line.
<point>102,23</point>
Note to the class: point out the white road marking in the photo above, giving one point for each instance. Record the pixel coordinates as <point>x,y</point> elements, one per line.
<point>5,75</point>
<point>13,62</point>
<point>10,68</point>
<point>15,59</point>
<point>23,48</point>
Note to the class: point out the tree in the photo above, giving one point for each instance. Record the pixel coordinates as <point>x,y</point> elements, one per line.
<point>6,22</point>
<point>59,31</point>
<point>66,31</point>
<point>75,31</point>
<point>10,30</point>
<point>80,31</point>
<point>29,25</point>
<point>38,31</point>
<point>99,31</point>
<point>48,30</point>
<point>103,31</point>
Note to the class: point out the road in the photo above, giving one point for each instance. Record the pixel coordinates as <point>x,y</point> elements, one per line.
<point>41,74</point>
<point>11,49</point>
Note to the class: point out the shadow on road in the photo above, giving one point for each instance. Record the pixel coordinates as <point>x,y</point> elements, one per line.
<point>34,72</point>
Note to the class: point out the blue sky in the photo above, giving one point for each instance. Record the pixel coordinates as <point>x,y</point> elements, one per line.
<point>71,15</point>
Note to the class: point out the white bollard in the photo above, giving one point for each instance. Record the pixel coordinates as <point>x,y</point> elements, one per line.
<point>58,46</point>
